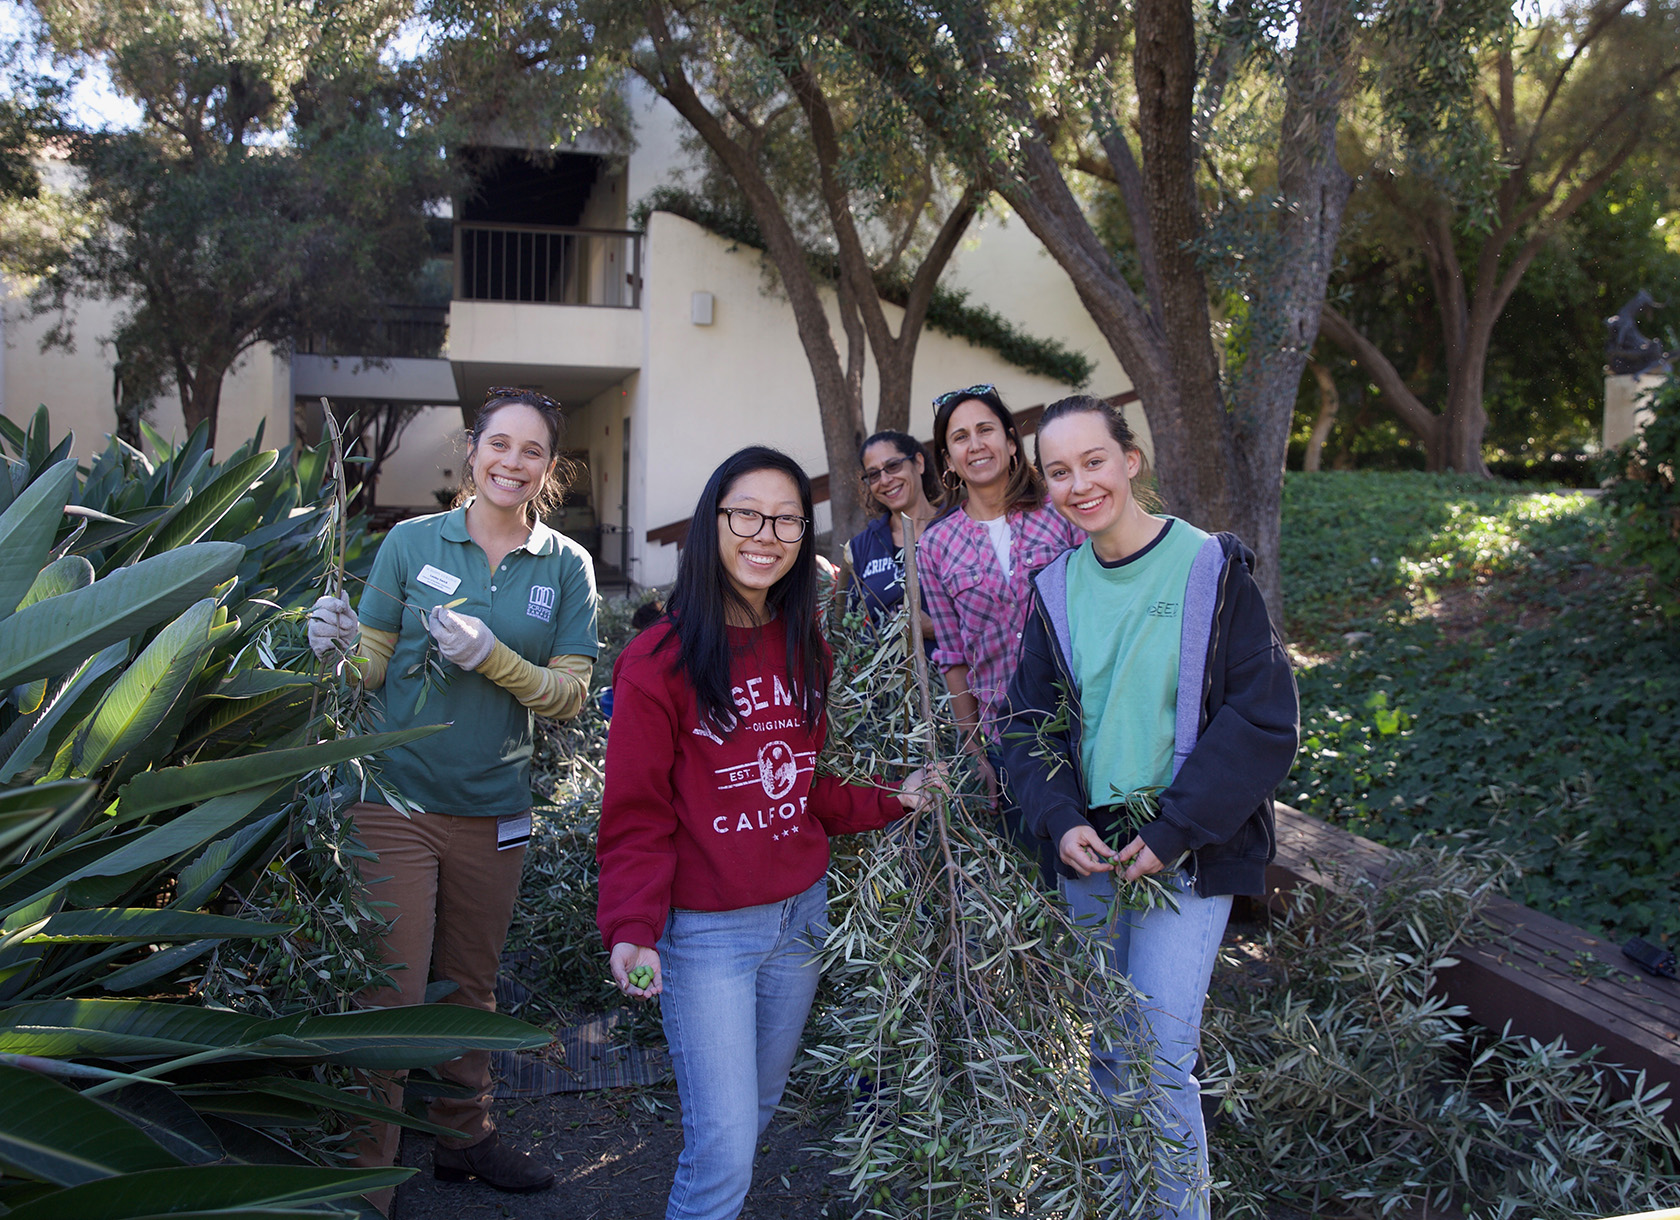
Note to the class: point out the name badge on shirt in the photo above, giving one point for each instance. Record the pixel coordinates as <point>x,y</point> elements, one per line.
<point>513,831</point>
<point>438,579</point>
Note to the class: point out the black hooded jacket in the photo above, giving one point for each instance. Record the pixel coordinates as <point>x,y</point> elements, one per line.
<point>1219,804</point>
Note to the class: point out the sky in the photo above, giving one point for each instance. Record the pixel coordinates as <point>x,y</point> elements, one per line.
<point>94,103</point>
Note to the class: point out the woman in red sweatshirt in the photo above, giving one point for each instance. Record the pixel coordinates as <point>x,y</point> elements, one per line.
<point>714,825</point>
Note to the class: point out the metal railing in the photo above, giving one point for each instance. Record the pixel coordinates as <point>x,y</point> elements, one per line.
<point>552,266</point>
<point>395,331</point>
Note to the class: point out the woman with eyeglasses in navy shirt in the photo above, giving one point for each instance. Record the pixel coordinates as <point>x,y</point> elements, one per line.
<point>899,478</point>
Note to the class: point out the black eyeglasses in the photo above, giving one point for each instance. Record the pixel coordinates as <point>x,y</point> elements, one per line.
<point>973,391</point>
<point>889,467</point>
<point>747,522</point>
<point>514,393</point>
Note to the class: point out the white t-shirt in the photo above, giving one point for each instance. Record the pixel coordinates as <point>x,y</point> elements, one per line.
<point>998,528</point>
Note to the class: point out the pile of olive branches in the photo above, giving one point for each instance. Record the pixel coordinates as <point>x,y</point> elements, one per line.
<point>959,1000</point>
<point>1351,1087</point>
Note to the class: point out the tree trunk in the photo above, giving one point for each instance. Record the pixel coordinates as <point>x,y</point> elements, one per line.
<point>1459,436</point>
<point>840,408</point>
<point>1329,403</point>
<point>1197,467</point>
<point>201,398</point>
<point>1396,395</point>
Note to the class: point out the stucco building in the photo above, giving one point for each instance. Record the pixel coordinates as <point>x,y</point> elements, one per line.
<point>668,347</point>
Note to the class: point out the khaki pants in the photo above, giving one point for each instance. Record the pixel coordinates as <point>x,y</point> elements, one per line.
<point>451,896</point>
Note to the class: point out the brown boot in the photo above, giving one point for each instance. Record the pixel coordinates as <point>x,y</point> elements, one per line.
<point>493,1163</point>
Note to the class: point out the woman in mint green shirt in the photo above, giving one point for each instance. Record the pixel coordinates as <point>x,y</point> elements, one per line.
<point>509,605</point>
<point>1153,638</point>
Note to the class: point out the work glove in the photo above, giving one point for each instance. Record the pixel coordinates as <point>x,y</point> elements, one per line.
<point>332,626</point>
<point>461,638</point>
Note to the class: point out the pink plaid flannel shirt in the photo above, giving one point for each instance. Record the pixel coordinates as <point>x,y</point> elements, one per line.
<point>977,612</point>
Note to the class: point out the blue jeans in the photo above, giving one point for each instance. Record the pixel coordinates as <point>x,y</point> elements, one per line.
<point>738,985</point>
<point>1169,957</point>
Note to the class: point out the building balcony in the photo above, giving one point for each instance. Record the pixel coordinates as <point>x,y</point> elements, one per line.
<point>552,309</point>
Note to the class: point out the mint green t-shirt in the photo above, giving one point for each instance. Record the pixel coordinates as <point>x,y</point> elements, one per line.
<point>540,601</point>
<point>1125,622</point>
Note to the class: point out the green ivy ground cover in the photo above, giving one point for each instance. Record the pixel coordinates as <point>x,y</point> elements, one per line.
<point>1515,685</point>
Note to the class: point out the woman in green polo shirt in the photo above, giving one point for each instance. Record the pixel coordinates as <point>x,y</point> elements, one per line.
<point>510,605</point>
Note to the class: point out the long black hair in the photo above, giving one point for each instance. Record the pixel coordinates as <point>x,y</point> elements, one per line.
<point>701,599</point>
<point>907,446</point>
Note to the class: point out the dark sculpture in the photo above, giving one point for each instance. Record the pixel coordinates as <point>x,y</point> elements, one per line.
<point>1627,349</point>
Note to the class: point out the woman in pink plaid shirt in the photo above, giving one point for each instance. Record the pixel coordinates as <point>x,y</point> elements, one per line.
<point>976,565</point>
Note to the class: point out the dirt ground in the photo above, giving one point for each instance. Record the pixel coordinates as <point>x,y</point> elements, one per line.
<point>614,1154</point>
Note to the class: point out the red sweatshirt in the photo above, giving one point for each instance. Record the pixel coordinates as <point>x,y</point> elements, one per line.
<point>712,821</point>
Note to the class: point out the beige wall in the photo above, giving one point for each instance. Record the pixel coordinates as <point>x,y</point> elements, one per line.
<point>430,456</point>
<point>76,385</point>
<point>708,390</point>
<point>1625,409</point>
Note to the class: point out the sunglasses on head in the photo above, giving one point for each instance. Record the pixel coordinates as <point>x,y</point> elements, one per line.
<point>513,393</point>
<point>973,391</point>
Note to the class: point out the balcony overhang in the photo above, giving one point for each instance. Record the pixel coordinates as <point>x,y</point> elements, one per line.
<point>569,352</point>
<point>398,379</point>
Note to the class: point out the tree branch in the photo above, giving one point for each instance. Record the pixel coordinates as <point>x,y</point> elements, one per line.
<point>1129,179</point>
<point>1395,392</point>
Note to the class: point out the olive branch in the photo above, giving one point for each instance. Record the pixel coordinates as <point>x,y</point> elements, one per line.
<point>960,1001</point>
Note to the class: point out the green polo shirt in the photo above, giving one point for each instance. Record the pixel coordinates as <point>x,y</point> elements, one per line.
<point>1125,620</point>
<point>540,602</point>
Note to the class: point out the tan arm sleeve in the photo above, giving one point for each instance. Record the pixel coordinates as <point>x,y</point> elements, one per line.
<point>557,690</point>
<point>377,646</point>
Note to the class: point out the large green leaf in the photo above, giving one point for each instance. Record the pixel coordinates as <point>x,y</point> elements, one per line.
<point>197,881</point>
<point>39,732</point>
<point>171,1122</point>
<point>47,873</point>
<point>62,575</point>
<point>153,791</point>
<point>324,1096</point>
<point>52,637</point>
<point>155,965</point>
<point>418,1035</point>
<point>192,829</point>
<point>144,925</point>
<point>205,1190</point>
<point>27,529</point>
<point>249,682</point>
<point>148,688</point>
<point>256,1109</point>
<point>54,1134</point>
<point>375,1038</point>
<point>12,435</point>
<point>26,813</point>
<point>122,1029</point>
<point>244,723</point>
<point>98,854</point>
<point>209,505</point>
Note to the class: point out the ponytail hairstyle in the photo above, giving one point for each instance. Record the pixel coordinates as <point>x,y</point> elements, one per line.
<point>702,597</point>
<point>1143,486</point>
<point>911,448</point>
<point>560,472</point>
<point>1025,490</point>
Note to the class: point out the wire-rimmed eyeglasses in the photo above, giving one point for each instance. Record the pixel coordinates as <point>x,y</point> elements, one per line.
<point>890,467</point>
<point>747,522</point>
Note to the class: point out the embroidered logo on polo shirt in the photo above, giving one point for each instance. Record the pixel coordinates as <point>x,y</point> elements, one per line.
<point>541,604</point>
